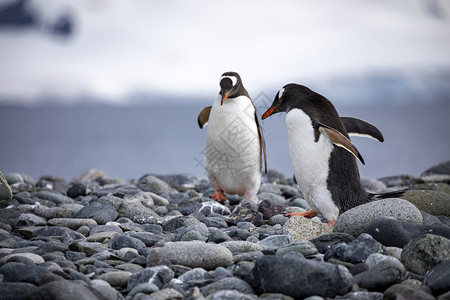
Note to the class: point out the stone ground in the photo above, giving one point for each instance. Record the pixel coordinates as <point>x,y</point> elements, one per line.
<point>163,237</point>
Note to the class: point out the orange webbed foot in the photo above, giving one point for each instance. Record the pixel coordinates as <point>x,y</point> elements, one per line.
<point>307,214</point>
<point>219,197</point>
<point>331,223</point>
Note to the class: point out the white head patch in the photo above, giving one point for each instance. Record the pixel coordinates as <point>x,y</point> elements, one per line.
<point>280,93</point>
<point>233,79</point>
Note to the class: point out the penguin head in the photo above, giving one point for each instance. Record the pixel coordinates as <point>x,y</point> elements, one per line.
<point>231,86</point>
<point>292,96</point>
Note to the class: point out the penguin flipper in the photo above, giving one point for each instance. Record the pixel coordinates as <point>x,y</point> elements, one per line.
<point>340,140</point>
<point>203,117</point>
<point>262,144</point>
<point>363,128</point>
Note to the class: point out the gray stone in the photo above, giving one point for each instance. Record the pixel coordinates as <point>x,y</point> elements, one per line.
<point>293,275</point>
<point>229,283</point>
<point>410,291</point>
<point>29,220</point>
<point>164,294</point>
<point>177,222</point>
<point>357,251</point>
<point>304,247</point>
<point>16,290</point>
<point>65,290</point>
<point>159,276</point>
<point>155,185</point>
<point>383,273</point>
<point>37,259</point>
<point>433,202</point>
<point>357,220</point>
<point>144,288</point>
<point>241,246</point>
<point>18,272</point>
<point>194,274</point>
<point>52,196</point>
<point>66,235</point>
<point>303,229</point>
<point>191,235</point>
<point>116,278</point>
<point>104,288</point>
<point>272,197</point>
<point>125,241</point>
<point>5,189</point>
<point>101,236</point>
<point>425,252</point>
<point>101,213</point>
<point>72,223</point>
<point>90,248</point>
<point>197,254</point>
<point>233,294</point>
<point>275,241</point>
<point>325,241</point>
<point>438,278</point>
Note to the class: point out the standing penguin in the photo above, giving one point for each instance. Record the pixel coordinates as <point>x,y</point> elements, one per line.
<point>235,145</point>
<point>323,157</point>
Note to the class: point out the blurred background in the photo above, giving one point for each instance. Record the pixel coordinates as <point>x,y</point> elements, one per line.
<point>117,85</point>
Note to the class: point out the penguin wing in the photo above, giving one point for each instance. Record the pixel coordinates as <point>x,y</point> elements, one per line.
<point>262,143</point>
<point>360,127</point>
<point>340,140</point>
<point>203,117</point>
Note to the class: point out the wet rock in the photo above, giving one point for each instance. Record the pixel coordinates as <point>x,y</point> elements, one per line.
<point>438,278</point>
<point>432,202</point>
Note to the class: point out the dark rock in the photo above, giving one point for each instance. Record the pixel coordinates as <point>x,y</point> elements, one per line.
<point>77,189</point>
<point>5,190</point>
<point>269,209</point>
<point>392,232</point>
<point>425,252</point>
<point>325,241</point>
<point>218,236</point>
<point>15,290</point>
<point>159,276</point>
<point>411,291</point>
<point>297,277</point>
<point>357,251</point>
<point>29,220</point>
<point>65,290</point>
<point>178,222</point>
<point>17,272</point>
<point>383,274</point>
<point>66,235</point>
<point>155,185</point>
<point>303,247</point>
<point>438,278</point>
<point>244,211</point>
<point>50,246</point>
<point>439,169</point>
<point>216,222</point>
<point>125,241</point>
<point>52,196</point>
<point>433,202</point>
<point>101,213</point>
<point>229,283</point>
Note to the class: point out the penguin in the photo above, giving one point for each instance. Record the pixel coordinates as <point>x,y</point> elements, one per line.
<point>235,146</point>
<point>323,157</point>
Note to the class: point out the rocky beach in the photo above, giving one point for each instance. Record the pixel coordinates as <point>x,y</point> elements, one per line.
<point>163,237</point>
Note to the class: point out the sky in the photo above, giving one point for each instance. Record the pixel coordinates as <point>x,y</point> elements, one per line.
<point>180,48</point>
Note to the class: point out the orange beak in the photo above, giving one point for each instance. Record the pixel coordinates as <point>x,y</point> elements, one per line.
<point>225,97</point>
<point>269,112</point>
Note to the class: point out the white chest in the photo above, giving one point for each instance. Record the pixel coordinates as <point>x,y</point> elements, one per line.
<point>310,160</point>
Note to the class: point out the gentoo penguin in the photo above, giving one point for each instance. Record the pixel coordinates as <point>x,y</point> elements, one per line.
<point>235,145</point>
<point>323,157</point>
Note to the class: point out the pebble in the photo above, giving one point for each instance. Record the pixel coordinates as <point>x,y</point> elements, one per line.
<point>163,237</point>
<point>356,220</point>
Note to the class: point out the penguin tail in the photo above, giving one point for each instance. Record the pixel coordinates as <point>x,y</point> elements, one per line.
<point>392,194</point>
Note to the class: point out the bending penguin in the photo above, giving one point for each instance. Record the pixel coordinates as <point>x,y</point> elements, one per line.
<point>235,147</point>
<point>323,157</point>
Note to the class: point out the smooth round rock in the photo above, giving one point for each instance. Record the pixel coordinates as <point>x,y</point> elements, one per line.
<point>304,247</point>
<point>241,246</point>
<point>37,259</point>
<point>357,220</point>
<point>438,278</point>
<point>197,254</point>
<point>101,213</point>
